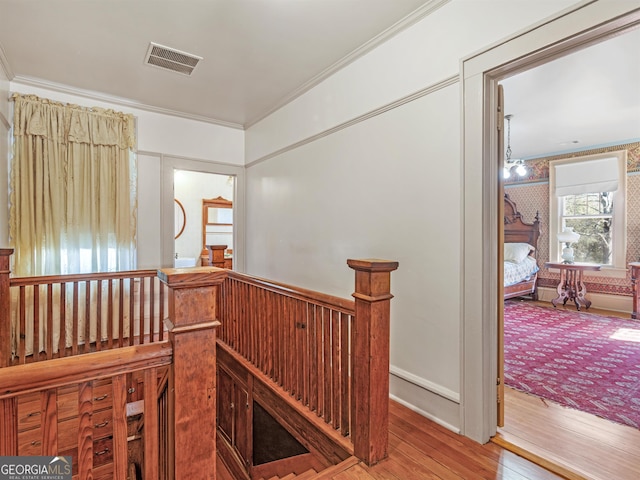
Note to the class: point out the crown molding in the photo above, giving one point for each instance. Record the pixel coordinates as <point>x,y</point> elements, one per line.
<point>124,102</point>
<point>382,37</point>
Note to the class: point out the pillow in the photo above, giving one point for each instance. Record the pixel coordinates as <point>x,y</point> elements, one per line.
<point>516,252</point>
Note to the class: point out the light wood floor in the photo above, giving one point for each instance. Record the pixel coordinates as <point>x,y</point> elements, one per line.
<point>420,449</point>
<point>579,444</point>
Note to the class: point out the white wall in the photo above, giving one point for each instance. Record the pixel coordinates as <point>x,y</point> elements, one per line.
<point>158,136</point>
<point>360,167</point>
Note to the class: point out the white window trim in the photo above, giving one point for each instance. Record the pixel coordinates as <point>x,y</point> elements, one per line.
<point>619,268</point>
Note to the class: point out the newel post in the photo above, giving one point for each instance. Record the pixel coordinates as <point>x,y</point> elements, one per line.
<point>192,324</point>
<point>370,371</point>
<point>8,406</point>
<point>5,307</point>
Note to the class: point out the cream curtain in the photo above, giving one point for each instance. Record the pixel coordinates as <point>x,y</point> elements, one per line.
<point>72,198</point>
<point>73,189</point>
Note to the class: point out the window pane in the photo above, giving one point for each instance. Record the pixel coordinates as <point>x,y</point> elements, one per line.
<point>595,244</point>
<point>588,204</point>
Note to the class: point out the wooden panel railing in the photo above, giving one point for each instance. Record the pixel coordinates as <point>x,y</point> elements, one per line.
<point>300,339</point>
<point>329,353</point>
<point>52,408</point>
<point>58,316</point>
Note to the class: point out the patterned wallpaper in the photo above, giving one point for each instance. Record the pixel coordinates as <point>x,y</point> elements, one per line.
<point>531,195</point>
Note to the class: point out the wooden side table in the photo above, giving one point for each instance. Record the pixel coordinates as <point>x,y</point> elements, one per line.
<point>635,275</point>
<point>571,286</point>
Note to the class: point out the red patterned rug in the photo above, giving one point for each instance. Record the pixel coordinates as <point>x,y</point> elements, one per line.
<point>577,359</point>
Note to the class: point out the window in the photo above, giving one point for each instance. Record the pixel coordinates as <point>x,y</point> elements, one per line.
<point>590,215</point>
<point>588,194</point>
<point>73,189</point>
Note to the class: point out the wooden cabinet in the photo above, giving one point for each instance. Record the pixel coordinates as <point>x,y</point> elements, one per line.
<point>62,405</point>
<point>233,413</point>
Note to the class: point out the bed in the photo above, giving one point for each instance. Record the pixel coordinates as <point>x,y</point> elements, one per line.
<point>520,253</point>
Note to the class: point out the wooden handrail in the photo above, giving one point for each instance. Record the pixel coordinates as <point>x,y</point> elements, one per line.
<point>343,305</point>
<point>80,277</point>
<point>21,379</point>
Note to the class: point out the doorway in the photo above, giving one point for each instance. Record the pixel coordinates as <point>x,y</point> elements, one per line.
<point>548,436</point>
<point>576,28</point>
<point>191,189</point>
<point>191,181</point>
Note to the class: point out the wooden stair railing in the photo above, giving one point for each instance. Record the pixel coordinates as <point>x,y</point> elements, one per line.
<point>75,378</point>
<point>329,354</point>
<point>61,315</point>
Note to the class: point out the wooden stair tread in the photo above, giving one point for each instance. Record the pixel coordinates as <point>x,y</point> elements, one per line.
<point>306,475</point>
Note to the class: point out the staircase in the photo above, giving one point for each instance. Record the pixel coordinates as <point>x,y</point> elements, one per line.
<point>295,465</point>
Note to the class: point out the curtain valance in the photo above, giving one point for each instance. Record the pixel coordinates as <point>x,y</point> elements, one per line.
<point>68,123</point>
<point>586,176</point>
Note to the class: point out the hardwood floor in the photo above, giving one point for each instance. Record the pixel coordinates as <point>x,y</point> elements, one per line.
<point>580,444</point>
<point>576,444</point>
<point>420,449</point>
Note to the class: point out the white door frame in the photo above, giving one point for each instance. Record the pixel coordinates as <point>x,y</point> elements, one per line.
<point>581,25</point>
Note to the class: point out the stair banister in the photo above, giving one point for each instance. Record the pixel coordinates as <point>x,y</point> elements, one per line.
<point>192,325</point>
<point>371,336</point>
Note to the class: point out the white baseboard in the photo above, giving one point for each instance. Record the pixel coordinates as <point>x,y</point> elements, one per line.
<point>429,404</point>
<point>616,303</point>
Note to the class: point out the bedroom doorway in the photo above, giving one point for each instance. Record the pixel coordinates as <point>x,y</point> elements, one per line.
<point>521,431</point>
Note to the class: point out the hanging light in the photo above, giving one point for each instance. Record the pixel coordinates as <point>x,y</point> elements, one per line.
<point>520,168</point>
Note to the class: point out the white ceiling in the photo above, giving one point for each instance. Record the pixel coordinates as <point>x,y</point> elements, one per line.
<point>588,98</point>
<point>259,54</point>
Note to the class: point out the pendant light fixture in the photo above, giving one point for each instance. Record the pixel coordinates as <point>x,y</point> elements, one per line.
<point>509,164</point>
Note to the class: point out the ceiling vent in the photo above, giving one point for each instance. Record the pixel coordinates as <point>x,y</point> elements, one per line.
<point>171,59</point>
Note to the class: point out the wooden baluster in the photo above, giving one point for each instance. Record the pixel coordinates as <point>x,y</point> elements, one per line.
<point>345,383</point>
<point>74,343</point>
<point>141,300</point>
<point>131,297</point>
<point>36,323</point>
<point>326,363</point>
<point>336,393</point>
<point>99,315</point>
<point>151,424</point>
<point>62,303</point>
<point>370,337</point>
<point>192,330</point>
<point>49,336</point>
<point>110,314</point>
<point>87,316</point>
<point>152,309</point>
<point>313,355</point>
<point>22,331</point>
